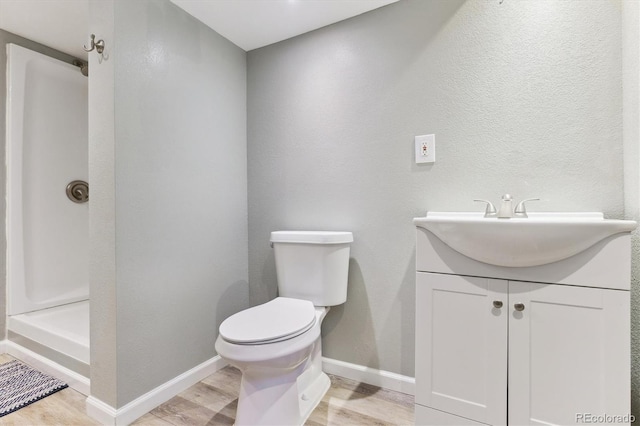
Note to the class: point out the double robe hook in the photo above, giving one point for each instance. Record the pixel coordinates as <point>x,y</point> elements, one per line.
<point>97,45</point>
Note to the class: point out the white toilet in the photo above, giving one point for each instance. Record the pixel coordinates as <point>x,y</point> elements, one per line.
<point>277,345</point>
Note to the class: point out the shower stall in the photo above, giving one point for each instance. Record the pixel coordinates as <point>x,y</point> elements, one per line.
<point>47,210</point>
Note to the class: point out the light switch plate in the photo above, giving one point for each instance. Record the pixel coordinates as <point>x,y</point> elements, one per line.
<point>425,149</point>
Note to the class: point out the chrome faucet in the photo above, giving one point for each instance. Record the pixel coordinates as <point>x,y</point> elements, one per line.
<point>506,208</point>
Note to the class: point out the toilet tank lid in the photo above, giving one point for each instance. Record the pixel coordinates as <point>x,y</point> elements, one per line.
<point>311,237</point>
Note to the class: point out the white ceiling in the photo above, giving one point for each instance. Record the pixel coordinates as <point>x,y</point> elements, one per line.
<point>256,23</point>
<point>62,24</point>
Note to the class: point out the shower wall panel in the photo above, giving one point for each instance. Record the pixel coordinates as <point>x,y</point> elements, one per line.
<point>47,233</point>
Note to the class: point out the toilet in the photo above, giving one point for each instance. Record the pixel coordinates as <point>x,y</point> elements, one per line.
<point>277,345</point>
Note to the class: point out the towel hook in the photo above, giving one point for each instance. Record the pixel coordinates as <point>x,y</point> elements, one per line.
<point>97,45</point>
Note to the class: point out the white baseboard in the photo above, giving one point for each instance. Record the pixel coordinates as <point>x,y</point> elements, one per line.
<point>371,376</point>
<point>98,410</point>
<point>107,415</point>
<point>73,379</point>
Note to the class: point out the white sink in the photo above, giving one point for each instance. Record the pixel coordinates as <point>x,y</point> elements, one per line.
<point>519,242</point>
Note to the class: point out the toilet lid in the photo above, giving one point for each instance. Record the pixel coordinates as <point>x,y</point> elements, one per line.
<point>277,320</point>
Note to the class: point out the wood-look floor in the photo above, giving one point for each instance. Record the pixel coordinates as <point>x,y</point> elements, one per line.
<point>213,402</point>
<point>66,407</point>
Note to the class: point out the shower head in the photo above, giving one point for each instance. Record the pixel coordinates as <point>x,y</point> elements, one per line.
<point>84,67</point>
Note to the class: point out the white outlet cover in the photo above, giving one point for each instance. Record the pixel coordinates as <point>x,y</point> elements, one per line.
<point>425,148</point>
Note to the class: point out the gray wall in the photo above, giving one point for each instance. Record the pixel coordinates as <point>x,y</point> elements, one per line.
<point>524,97</point>
<point>5,38</point>
<point>176,172</point>
<point>631,132</point>
<point>102,243</point>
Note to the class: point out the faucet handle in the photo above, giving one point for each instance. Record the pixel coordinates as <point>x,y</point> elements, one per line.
<point>490,210</point>
<point>521,210</point>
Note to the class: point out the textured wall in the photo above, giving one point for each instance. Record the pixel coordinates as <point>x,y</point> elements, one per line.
<point>5,38</point>
<point>631,132</point>
<point>524,97</point>
<point>102,221</point>
<point>181,191</point>
<point>175,170</point>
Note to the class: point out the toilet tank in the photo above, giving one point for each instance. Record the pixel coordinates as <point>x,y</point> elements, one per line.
<point>312,265</point>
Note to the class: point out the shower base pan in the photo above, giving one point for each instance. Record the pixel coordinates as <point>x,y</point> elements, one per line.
<point>62,328</point>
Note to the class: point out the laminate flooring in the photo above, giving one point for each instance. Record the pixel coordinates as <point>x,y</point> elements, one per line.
<point>213,402</point>
<point>65,407</point>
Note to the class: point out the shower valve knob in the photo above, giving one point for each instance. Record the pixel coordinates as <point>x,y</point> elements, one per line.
<point>78,191</point>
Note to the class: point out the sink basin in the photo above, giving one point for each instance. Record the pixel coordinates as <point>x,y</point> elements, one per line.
<point>519,242</point>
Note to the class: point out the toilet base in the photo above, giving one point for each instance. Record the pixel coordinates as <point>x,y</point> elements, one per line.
<point>281,404</point>
<point>313,394</point>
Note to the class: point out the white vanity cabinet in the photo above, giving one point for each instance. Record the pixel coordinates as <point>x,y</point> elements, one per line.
<point>542,345</point>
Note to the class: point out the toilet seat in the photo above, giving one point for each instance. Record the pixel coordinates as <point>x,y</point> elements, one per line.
<point>280,319</point>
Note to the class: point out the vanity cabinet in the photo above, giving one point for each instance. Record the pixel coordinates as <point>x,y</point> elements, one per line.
<point>540,345</point>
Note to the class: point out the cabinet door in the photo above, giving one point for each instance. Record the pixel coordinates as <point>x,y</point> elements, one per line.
<point>461,346</point>
<point>568,353</point>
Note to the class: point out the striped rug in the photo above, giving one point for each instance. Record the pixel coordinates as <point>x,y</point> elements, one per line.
<point>21,385</point>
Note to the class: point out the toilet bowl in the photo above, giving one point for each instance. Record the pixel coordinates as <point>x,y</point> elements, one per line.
<point>282,378</point>
<point>277,345</point>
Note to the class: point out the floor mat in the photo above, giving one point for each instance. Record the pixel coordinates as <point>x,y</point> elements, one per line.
<point>21,385</point>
